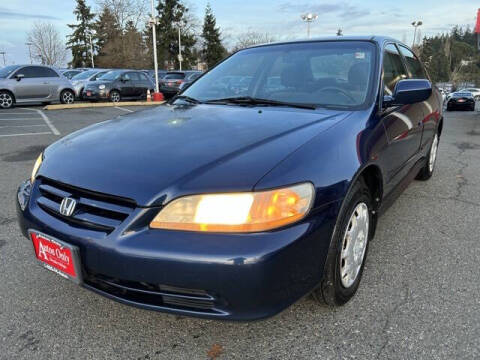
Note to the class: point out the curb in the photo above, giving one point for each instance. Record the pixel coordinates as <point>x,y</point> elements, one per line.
<point>102,104</point>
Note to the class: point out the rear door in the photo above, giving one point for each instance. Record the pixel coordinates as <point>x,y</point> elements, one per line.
<point>52,80</point>
<point>143,84</point>
<point>33,86</point>
<point>403,124</point>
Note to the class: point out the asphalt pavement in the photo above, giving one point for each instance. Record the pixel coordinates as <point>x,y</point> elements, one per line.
<point>419,297</point>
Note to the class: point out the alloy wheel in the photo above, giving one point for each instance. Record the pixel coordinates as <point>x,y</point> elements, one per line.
<point>433,153</point>
<point>6,100</point>
<point>354,245</point>
<point>68,97</point>
<point>115,96</point>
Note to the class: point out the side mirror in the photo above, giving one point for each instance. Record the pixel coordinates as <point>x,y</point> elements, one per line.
<point>19,77</point>
<point>409,91</point>
<point>123,79</point>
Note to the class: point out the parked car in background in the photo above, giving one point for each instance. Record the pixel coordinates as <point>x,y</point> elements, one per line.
<point>151,73</point>
<point>80,80</point>
<point>461,100</point>
<point>170,84</point>
<point>475,92</point>
<point>117,85</point>
<point>69,74</point>
<point>189,79</point>
<point>228,206</point>
<point>33,84</point>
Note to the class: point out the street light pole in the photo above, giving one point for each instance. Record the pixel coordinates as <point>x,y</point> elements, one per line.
<point>415,24</point>
<point>91,49</point>
<point>180,59</point>
<point>29,44</point>
<point>153,21</point>
<point>3,53</point>
<point>309,18</point>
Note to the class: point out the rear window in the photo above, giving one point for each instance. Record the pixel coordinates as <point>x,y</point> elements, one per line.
<point>174,76</point>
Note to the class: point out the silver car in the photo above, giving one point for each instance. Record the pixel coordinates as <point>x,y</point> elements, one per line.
<point>79,81</point>
<point>21,84</point>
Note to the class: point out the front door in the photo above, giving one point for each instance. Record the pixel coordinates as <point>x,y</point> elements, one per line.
<point>33,86</point>
<point>403,124</point>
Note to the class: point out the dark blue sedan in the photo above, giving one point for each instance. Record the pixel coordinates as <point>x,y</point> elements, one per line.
<point>233,203</point>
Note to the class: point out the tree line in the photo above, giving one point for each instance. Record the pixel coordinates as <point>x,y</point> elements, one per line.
<point>120,36</point>
<point>452,57</point>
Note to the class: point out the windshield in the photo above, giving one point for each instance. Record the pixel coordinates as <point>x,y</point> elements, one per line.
<point>84,75</point>
<point>111,75</point>
<point>7,70</point>
<point>330,73</point>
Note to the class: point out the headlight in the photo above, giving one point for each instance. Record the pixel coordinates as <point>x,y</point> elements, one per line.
<point>101,87</point>
<point>36,166</point>
<point>237,212</point>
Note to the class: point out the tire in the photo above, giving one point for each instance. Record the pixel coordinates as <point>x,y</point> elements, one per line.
<point>115,96</point>
<point>337,286</point>
<point>7,100</point>
<point>427,171</point>
<point>67,97</point>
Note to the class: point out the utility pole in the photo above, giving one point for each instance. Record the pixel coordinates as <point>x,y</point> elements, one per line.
<point>91,49</point>
<point>180,58</point>
<point>3,53</point>
<point>415,24</point>
<point>153,22</point>
<point>29,44</point>
<point>309,18</point>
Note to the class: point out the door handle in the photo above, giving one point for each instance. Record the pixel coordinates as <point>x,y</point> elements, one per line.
<point>46,83</point>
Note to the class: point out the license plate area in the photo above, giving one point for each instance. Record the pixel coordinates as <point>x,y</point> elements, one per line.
<point>57,256</point>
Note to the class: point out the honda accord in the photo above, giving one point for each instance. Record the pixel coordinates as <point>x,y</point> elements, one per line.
<point>234,204</point>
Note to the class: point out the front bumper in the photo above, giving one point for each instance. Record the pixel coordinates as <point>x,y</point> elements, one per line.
<point>222,276</point>
<point>89,94</point>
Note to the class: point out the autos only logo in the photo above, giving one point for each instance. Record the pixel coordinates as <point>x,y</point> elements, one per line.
<point>44,250</point>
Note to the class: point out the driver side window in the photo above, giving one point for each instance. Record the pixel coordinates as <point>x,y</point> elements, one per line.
<point>393,69</point>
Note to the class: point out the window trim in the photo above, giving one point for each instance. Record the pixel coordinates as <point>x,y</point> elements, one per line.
<point>382,87</point>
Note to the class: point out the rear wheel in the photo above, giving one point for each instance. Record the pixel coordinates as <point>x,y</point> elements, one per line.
<point>6,100</point>
<point>427,171</point>
<point>348,250</point>
<point>67,97</point>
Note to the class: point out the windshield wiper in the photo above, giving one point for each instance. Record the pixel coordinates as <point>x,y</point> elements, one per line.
<point>187,99</point>
<point>248,100</point>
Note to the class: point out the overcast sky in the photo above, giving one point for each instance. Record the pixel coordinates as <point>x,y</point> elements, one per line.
<point>279,18</point>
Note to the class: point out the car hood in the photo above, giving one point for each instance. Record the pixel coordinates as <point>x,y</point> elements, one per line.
<point>157,154</point>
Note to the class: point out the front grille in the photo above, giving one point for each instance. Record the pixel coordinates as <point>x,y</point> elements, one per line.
<point>155,295</point>
<point>94,211</point>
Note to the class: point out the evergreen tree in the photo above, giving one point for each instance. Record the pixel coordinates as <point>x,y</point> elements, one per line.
<point>213,50</point>
<point>107,30</point>
<point>79,41</point>
<point>171,13</point>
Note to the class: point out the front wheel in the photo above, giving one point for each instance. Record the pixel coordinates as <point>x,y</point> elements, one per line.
<point>348,250</point>
<point>6,100</point>
<point>115,96</point>
<point>67,97</point>
<point>427,171</point>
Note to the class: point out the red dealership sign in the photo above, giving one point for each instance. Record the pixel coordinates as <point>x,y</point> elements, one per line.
<point>477,27</point>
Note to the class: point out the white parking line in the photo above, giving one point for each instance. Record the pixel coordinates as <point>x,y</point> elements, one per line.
<point>16,126</point>
<point>14,113</point>
<point>38,133</point>
<point>120,108</point>
<point>47,121</point>
<point>19,119</point>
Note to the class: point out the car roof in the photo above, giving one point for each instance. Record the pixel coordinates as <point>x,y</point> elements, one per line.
<point>379,39</point>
